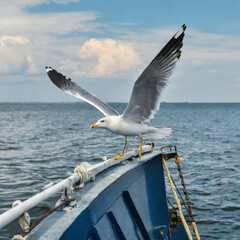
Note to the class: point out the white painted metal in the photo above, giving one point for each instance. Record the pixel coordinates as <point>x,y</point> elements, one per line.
<point>17,211</point>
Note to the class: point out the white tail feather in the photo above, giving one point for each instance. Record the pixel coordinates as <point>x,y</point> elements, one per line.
<point>159,133</point>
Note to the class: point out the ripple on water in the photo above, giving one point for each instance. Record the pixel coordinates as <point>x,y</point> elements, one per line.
<point>40,143</point>
<point>230,208</point>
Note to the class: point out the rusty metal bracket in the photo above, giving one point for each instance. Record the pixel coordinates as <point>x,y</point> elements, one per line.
<point>171,154</point>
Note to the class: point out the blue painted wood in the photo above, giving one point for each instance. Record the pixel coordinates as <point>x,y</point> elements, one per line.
<point>178,233</point>
<point>138,220</point>
<point>116,227</point>
<point>94,234</point>
<point>125,202</point>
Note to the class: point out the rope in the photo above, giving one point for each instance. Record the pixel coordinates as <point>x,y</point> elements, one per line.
<point>24,219</point>
<point>67,194</point>
<point>19,237</point>
<point>176,199</point>
<point>82,169</point>
<point>194,226</point>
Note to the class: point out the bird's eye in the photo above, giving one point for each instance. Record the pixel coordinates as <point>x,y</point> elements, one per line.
<point>102,120</point>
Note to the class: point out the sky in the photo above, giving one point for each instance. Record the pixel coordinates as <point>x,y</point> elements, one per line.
<point>104,45</point>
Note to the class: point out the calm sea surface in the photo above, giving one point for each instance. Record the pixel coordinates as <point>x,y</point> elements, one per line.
<point>42,142</point>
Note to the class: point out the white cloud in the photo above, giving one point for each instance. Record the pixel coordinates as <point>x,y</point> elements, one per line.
<point>209,65</point>
<point>13,40</point>
<point>32,68</point>
<point>22,4</point>
<point>28,41</point>
<point>114,59</point>
<point>48,23</point>
<point>12,60</point>
<point>13,54</point>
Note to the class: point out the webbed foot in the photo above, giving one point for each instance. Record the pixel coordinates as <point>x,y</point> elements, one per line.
<point>118,156</point>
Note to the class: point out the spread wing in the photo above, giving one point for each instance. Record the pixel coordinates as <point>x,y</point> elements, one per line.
<point>145,98</point>
<point>70,87</point>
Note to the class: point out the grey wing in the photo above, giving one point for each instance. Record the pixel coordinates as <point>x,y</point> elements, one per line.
<point>145,98</point>
<point>70,87</point>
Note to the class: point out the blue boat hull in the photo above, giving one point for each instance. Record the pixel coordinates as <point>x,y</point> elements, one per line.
<point>125,202</point>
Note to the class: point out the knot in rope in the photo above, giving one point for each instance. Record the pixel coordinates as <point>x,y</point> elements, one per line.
<point>19,237</point>
<point>82,169</point>
<point>24,219</point>
<point>69,191</point>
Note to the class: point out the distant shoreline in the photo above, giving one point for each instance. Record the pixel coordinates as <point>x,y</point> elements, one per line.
<point>79,102</point>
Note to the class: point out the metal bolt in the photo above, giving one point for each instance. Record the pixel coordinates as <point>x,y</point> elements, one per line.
<point>161,234</point>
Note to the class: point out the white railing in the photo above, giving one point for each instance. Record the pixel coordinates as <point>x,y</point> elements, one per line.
<point>93,170</point>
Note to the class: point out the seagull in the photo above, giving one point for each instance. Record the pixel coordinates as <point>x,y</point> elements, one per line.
<point>144,101</point>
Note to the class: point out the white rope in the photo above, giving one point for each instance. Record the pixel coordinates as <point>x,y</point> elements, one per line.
<point>67,193</point>
<point>24,219</point>
<point>19,237</point>
<point>82,169</point>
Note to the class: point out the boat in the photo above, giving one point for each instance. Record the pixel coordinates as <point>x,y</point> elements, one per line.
<point>121,199</point>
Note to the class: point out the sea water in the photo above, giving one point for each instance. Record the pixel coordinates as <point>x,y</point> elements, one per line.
<point>43,142</point>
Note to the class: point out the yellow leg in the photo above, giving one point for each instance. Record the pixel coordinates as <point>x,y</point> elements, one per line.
<point>140,148</point>
<point>121,154</point>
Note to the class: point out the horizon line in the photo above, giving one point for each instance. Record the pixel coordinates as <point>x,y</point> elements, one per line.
<point>82,102</point>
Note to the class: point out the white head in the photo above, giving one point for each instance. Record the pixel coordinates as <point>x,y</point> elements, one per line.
<point>103,122</point>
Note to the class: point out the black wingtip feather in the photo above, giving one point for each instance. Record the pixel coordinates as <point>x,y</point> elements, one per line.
<point>57,78</point>
<point>174,45</point>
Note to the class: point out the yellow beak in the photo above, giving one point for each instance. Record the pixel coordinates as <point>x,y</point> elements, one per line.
<point>93,126</point>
